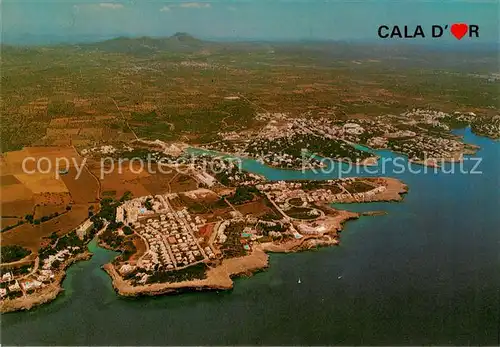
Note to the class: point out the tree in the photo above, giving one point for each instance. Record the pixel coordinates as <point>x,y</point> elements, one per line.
<point>29,218</point>
<point>56,264</point>
<point>148,204</point>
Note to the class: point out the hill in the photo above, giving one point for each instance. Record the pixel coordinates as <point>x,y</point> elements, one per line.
<point>179,42</point>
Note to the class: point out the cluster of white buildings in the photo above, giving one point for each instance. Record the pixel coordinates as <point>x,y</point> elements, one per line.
<point>21,285</point>
<point>279,131</point>
<point>281,160</point>
<point>168,234</point>
<point>281,128</point>
<point>221,237</point>
<point>353,128</point>
<point>171,242</point>
<point>132,210</point>
<point>267,146</point>
<point>281,192</point>
<point>424,147</point>
<point>60,256</point>
<point>205,178</point>
<point>107,149</point>
<point>39,278</point>
<point>158,254</point>
<point>15,287</point>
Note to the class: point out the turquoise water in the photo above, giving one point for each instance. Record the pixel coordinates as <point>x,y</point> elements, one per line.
<point>426,273</point>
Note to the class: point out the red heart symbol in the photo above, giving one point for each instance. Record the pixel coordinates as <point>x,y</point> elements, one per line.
<point>459,30</point>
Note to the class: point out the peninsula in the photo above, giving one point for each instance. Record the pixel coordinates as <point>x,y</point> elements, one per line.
<point>199,235</point>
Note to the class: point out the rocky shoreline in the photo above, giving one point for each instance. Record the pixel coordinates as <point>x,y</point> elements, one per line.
<point>45,295</point>
<point>217,278</point>
<point>221,276</point>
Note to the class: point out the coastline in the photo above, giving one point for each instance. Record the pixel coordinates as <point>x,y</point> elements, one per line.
<point>217,278</point>
<point>221,276</point>
<point>369,161</point>
<point>46,294</point>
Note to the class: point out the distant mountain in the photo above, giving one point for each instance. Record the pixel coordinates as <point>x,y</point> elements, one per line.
<point>179,42</point>
<point>463,55</point>
<point>184,37</point>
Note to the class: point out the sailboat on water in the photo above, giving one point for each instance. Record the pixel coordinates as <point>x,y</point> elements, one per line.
<point>299,281</point>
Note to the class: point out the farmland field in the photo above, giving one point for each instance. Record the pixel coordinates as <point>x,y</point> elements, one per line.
<point>181,88</point>
<point>83,190</point>
<point>30,235</point>
<point>183,183</point>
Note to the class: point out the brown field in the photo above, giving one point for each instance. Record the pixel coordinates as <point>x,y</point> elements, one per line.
<point>21,191</point>
<point>47,210</point>
<point>113,183</point>
<point>104,117</point>
<point>129,173</point>
<point>158,183</point>
<point>59,122</point>
<point>206,231</point>
<point>223,190</point>
<point>140,246</point>
<point>30,235</point>
<point>257,208</point>
<point>176,204</point>
<point>19,208</point>
<point>61,142</point>
<point>188,202</point>
<point>52,198</point>
<point>214,215</point>
<point>110,134</point>
<point>8,180</point>
<point>9,221</point>
<point>83,190</point>
<point>91,132</point>
<point>207,209</point>
<point>42,183</point>
<point>80,142</point>
<point>122,171</point>
<point>203,204</point>
<point>4,167</point>
<point>15,192</point>
<point>12,162</point>
<point>14,159</point>
<point>61,132</point>
<point>120,182</point>
<point>183,183</point>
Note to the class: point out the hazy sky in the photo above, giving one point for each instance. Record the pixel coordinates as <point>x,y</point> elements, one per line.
<point>257,19</point>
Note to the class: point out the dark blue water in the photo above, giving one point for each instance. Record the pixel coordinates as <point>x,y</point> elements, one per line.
<point>426,273</point>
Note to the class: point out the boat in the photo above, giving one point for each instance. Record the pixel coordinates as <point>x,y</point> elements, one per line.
<point>299,281</point>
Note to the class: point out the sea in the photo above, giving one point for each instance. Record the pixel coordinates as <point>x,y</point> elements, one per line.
<point>427,272</point>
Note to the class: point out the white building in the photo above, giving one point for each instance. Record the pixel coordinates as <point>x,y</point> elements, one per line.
<point>82,230</point>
